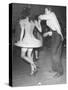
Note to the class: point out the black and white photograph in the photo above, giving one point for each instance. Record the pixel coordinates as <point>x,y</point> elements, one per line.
<point>37,44</point>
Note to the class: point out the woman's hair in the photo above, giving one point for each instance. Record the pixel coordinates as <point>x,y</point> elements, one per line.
<point>36,17</point>
<point>25,13</point>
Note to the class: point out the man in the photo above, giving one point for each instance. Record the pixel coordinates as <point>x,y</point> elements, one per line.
<point>56,40</point>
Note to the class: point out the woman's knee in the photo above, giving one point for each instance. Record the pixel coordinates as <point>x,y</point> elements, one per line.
<point>23,52</point>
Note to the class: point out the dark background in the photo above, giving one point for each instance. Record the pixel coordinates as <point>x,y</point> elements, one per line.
<point>17,10</point>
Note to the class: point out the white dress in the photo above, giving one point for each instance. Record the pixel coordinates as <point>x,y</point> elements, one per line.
<point>28,41</point>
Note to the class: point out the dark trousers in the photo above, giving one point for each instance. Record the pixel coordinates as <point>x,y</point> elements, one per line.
<point>56,53</point>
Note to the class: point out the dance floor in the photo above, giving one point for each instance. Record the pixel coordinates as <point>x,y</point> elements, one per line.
<point>21,70</point>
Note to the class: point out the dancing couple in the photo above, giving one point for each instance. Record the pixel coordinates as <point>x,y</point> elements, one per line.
<point>28,41</point>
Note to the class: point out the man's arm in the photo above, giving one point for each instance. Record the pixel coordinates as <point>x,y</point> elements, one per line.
<point>59,32</point>
<point>58,28</point>
<point>43,17</point>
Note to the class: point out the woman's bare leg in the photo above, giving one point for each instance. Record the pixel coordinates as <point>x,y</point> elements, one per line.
<point>36,54</point>
<point>28,58</point>
<point>30,55</point>
<point>23,55</point>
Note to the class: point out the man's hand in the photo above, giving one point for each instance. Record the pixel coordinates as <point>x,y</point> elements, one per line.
<point>47,33</point>
<point>50,33</point>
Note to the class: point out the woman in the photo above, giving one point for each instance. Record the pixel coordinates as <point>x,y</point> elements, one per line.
<point>56,39</point>
<point>27,41</point>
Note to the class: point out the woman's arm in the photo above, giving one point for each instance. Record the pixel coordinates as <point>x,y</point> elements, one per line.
<point>22,31</point>
<point>38,25</point>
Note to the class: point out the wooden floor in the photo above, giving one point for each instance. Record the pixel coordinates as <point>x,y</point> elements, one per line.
<point>21,70</point>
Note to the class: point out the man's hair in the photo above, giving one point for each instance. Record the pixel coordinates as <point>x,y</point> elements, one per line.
<point>49,8</point>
